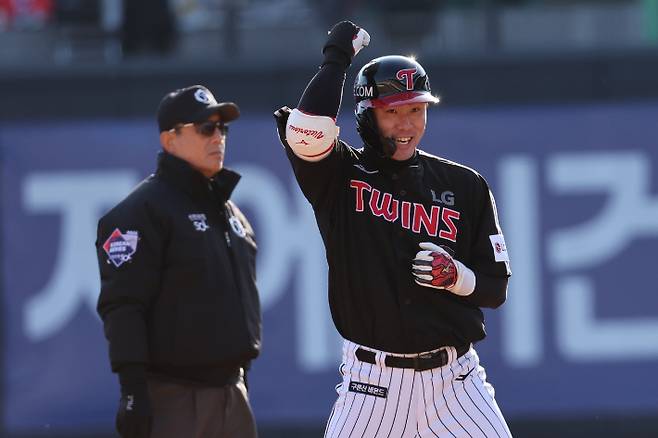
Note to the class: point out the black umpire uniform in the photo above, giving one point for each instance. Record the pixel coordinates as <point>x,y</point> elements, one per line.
<point>178,296</point>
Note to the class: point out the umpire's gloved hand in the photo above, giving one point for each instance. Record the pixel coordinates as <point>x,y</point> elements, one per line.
<point>281,115</point>
<point>345,40</point>
<point>134,416</point>
<point>434,267</point>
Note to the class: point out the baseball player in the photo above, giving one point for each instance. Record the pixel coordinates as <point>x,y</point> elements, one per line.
<point>414,250</point>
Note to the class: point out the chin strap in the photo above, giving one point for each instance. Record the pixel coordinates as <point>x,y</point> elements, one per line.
<point>388,147</point>
<point>369,132</point>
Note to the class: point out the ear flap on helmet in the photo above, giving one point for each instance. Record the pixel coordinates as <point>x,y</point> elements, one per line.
<point>366,125</point>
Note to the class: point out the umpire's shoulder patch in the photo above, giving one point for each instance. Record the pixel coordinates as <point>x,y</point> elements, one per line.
<point>120,247</point>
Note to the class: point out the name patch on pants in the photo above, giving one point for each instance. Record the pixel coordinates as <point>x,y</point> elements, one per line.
<point>364,388</point>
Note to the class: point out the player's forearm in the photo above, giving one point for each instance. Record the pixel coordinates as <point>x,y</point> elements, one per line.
<point>489,291</point>
<point>323,94</point>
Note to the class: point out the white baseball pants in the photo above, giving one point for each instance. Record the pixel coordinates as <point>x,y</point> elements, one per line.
<point>376,401</point>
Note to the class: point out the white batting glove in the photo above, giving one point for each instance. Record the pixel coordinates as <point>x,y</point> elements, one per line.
<point>434,267</point>
<point>360,40</point>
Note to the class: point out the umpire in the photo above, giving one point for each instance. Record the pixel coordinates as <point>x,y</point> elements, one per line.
<point>178,295</point>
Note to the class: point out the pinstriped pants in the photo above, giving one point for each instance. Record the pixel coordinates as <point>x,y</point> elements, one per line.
<point>378,401</point>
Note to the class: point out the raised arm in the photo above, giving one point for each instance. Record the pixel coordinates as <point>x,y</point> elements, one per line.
<point>310,130</point>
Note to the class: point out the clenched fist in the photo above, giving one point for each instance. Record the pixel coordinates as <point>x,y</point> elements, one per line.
<point>434,267</point>
<point>345,40</point>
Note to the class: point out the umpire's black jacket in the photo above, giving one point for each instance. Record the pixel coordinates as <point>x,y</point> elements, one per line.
<point>178,279</point>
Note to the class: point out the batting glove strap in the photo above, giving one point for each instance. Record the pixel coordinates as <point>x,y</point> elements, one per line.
<point>465,284</point>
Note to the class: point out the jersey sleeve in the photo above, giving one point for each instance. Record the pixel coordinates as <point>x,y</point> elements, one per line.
<point>320,181</point>
<point>489,258</point>
<point>489,250</point>
<point>130,250</point>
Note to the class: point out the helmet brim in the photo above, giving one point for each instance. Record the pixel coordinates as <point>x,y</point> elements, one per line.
<point>399,99</point>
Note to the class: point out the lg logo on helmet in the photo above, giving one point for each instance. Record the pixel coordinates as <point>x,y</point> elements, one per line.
<point>407,74</point>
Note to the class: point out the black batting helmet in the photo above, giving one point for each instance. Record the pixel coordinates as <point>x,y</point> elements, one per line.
<point>387,81</point>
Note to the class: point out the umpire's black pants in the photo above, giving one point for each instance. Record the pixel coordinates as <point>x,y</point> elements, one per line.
<point>182,411</point>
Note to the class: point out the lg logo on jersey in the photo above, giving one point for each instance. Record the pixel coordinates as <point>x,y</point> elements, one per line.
<point>413,216</point>
<point>446,198</point>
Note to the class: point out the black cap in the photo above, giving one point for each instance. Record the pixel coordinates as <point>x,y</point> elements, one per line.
<point>192,105</point>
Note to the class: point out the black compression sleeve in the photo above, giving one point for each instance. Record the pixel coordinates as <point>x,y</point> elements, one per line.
<point>323,94</point>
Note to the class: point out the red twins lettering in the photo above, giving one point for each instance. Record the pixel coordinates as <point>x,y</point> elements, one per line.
<point>406,214</point>
<point>429,221</point>
<point>388,207</point>
<point>360,186</point>
<point>407,75</point>
<point>447,217</point>
<point>412,216</point>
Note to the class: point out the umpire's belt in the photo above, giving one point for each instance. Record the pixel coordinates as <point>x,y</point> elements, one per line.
<point>420,362</point>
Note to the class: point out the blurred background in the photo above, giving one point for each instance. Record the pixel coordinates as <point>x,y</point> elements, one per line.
<point>555,102</point>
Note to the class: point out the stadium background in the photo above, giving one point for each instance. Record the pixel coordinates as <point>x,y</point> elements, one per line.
<point>554,101</point>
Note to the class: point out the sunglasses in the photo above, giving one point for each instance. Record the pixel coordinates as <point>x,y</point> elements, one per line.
<point>207,129</point>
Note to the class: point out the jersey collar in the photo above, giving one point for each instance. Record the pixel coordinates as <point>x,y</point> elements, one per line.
<point>387,165</point>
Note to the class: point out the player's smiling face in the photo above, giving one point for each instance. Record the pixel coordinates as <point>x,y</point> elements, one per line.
<point>405,124</point>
